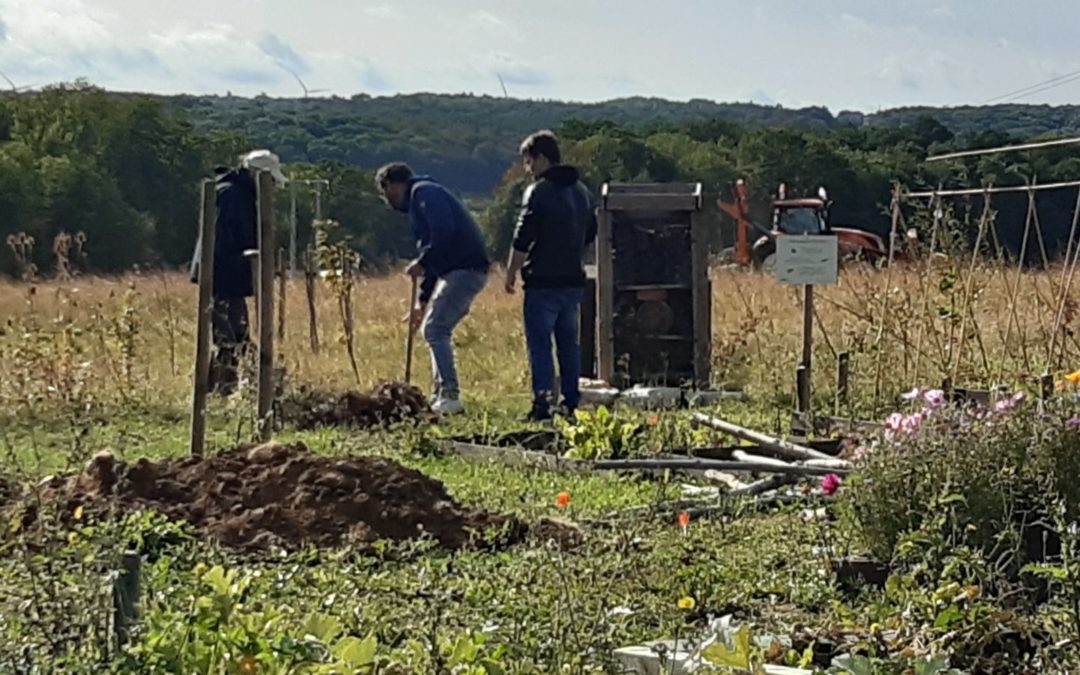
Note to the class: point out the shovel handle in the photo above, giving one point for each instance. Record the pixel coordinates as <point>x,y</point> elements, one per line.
<point>412,334</point>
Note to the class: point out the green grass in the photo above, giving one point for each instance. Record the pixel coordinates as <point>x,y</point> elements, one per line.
<point>528,609</point>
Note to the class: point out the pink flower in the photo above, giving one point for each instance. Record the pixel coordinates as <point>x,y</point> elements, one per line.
<point>1006,405</point>
<point>894,421</point>
<point>830,484</point>
<point>1073,423</point>
<point>911,423</point>
<point>934,398</point>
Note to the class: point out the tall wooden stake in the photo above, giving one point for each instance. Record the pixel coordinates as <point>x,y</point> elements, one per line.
<point>311,275</point>
<point>292,227</point>
<point>282,288</point>
<point>843,371</point>
<point>203,318</point>
<point>126,591</point>
<point>266,305</point>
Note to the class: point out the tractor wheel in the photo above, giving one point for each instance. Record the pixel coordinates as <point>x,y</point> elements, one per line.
<point>764,258</point>
<point>768,264</point>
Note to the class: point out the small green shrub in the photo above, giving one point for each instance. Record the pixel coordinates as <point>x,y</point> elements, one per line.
<point>600,435</point>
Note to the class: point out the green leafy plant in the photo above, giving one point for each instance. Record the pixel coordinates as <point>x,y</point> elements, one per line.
<point>600,435</point>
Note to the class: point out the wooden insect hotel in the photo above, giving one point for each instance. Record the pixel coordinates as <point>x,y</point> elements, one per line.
<point>649,320</point>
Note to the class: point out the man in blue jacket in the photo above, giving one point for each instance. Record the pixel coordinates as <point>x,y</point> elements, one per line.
<point>555,225</point>
<point>453,263</point>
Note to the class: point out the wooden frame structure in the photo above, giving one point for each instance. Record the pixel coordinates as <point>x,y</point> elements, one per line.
<point>264,299</point>
<point>663,207</point>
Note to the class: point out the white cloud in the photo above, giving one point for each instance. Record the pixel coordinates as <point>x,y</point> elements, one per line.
<point>489,19</point>
<point>382,11</point>
<point>842,53</point>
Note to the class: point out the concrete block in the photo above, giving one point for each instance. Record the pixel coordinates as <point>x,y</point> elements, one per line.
<point>645,660</point>
<point>706,398</point>
<point>652,397</point>
<point>598,397</point>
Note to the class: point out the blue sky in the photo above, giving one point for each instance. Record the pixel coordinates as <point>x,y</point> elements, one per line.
<point>844,54</point>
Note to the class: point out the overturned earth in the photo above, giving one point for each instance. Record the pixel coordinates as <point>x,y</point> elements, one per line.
<point>388,403</point>
<point>257,497</point>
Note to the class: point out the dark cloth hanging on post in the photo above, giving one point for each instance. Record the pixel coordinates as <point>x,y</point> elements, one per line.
<point>237,231</point>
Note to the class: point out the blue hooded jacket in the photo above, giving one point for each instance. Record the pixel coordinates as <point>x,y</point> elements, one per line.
<point>447,236</point>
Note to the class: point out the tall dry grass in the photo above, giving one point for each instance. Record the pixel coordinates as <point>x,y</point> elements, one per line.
<point>130,339</point>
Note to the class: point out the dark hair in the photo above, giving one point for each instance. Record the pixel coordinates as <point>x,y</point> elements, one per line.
<point>542,143</point>
<point>395,172</point>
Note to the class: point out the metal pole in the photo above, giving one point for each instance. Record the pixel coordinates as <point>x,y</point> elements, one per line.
<point>318,201</point>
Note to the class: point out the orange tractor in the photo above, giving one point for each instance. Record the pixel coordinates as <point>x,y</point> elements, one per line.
<point>794,216</point>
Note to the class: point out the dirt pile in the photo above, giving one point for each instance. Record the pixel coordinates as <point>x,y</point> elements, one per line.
<point>258,496</point>
<point>388,403</point>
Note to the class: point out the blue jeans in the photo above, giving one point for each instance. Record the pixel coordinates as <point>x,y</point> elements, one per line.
<point>449,304</point>
<point>553,311</point>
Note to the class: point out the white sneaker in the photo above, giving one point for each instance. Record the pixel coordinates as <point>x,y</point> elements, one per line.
<point>448,406</point>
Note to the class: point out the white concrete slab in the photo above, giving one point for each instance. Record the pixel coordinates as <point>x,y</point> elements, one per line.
<point>644,659</point>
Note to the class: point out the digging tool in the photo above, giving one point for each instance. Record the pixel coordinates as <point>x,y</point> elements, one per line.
<point>412,334</point>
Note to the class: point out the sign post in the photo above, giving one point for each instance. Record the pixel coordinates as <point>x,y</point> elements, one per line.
<point>807,260</point>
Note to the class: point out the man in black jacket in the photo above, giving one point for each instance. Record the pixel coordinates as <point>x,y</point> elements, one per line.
<point>555,225</point>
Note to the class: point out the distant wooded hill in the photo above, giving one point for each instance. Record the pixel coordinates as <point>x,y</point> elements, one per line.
<point>468,141</point>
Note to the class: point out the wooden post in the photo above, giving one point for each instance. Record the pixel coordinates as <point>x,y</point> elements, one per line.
<point>126,591</point>
<point>265,299</point>
<point>203,318</point>
<point>842,373</point>
<point>702,299</point>
<point>292,228</point>
<point>282,288</point>
<point>605,299</point>
<point>802,390</point>
<point>1046,389</point>
<point>311,276</point>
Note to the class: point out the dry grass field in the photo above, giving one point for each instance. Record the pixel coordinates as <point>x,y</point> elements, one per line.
<point>132,337</point>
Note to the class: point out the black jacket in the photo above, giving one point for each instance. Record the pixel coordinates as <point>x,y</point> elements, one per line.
<point>556,224</point>
<point>237,231</point>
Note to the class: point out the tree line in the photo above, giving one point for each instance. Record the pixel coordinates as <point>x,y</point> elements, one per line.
<point>123,169</point>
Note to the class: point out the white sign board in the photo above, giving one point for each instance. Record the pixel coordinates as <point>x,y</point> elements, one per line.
<point>806,259</point>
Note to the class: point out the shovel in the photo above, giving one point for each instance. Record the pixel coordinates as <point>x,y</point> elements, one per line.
<point>412,335</point>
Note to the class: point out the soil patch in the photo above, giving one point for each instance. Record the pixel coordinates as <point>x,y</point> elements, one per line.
<point>389,403</point>
<point>254,497</point>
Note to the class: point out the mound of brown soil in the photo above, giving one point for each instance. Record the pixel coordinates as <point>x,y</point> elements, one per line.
<point>259,496</point>
<point>388,403</point>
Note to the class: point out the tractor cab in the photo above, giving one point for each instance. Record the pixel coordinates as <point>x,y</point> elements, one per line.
<point>801,216</point>
<point>792,216</point>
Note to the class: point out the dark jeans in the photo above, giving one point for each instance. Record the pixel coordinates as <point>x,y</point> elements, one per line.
<point>553,311</point>
<point>230,334</point>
